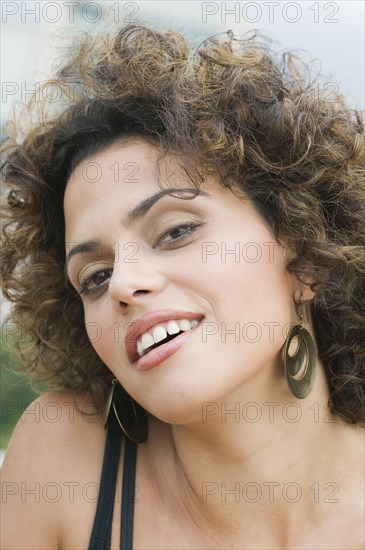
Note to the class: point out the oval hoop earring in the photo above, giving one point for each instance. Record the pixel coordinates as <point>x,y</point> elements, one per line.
<point>131,417</point>
<point>300,377</point>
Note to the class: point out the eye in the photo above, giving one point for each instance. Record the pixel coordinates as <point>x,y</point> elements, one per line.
<point>178,233</point>
<point>94,281</point>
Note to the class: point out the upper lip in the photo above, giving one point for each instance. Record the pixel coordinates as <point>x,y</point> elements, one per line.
<point>148,320</point>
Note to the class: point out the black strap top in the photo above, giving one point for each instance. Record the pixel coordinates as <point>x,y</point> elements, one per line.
<point>102,529</point>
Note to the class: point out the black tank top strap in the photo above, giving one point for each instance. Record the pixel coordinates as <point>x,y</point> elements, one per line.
<point>128,495</point>
<point>102,528</point>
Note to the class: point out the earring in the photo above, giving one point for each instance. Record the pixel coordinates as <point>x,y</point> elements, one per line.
<point>131,417</point>
<point>300,377</point>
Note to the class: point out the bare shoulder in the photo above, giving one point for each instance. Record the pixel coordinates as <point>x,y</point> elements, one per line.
<point>57,424</point>
<point>56,448</point>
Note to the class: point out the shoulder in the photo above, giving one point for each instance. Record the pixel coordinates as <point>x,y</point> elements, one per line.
<point>51,422</point>
<point>56,446</point>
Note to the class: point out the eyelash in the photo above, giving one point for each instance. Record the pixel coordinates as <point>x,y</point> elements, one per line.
<point>85,291</point>
<point>186,225</point>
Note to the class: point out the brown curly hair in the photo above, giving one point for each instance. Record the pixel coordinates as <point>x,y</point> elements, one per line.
<point>230,108</point>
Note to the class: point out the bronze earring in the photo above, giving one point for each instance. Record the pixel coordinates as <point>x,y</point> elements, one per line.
<point>131,417</point>
<point>300,377</point>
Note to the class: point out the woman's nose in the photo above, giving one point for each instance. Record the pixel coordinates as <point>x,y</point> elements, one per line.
<point>130,282</point>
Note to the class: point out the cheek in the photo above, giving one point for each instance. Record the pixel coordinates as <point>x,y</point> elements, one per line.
<point>251,288</point>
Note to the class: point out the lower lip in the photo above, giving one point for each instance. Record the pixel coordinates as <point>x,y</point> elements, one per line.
<point>158,355</point>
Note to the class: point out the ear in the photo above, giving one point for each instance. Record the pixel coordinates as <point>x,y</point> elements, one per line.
<point>302,289</point>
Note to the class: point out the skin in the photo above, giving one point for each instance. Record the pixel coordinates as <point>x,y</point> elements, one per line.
<point>287,449</point>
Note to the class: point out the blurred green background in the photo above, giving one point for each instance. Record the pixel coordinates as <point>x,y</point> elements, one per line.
<point>15,391</point>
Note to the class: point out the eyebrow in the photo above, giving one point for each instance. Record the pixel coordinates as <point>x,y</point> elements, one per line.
<point>90,247</point>
<point>132,217</point>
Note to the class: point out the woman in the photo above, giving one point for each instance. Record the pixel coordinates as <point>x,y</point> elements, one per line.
<point>186,235</point>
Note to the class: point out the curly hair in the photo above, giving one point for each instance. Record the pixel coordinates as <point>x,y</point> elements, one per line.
<point>230,108</point>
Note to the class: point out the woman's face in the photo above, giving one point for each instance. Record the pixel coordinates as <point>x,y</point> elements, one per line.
<point>224,266</point>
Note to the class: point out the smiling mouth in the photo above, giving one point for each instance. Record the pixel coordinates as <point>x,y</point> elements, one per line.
<point>153,357</point>
<point>161,334</point>
<point>159,344</point>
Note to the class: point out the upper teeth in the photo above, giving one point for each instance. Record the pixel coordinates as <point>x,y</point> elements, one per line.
<point>160,332</point>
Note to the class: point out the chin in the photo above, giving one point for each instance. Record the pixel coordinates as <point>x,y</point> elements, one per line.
<point>184,404</point>
<point>178,418</point>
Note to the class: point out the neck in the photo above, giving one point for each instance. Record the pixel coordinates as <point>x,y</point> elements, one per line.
<point>264,460</point>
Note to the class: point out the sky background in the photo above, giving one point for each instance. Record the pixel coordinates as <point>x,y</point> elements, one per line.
<point>33,34</point>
